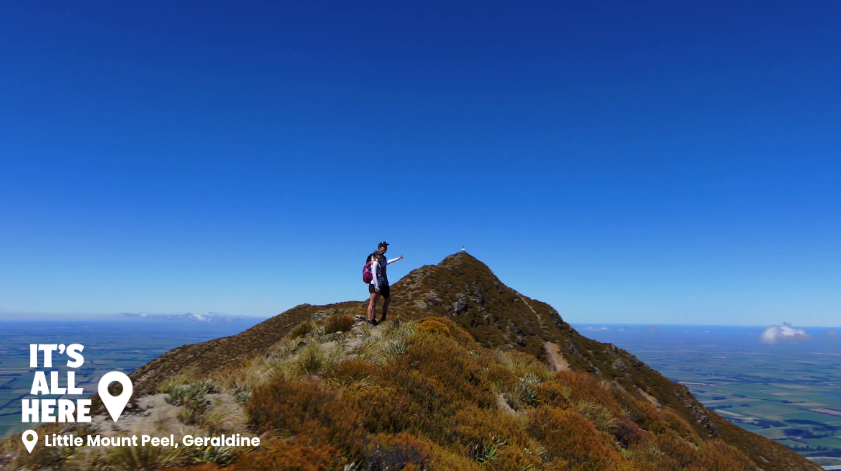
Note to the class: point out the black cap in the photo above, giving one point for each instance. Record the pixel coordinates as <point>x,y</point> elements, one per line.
<point>382,244</point>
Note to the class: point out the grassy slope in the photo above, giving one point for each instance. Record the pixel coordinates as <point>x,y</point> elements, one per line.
<point>464,290</point>
<point>202,358</point>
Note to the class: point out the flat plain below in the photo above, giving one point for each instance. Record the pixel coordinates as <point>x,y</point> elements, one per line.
<point>789,392</point>
<point>109,346</point>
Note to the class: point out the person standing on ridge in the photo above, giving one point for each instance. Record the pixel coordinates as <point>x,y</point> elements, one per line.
<point>379,282</point>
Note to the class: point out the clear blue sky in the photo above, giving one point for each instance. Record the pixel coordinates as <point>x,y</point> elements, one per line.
<point>640,162</point>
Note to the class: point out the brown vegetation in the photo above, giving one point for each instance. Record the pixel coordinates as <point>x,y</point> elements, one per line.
<point>465,385</point>
<point>434,407</point>
<point>335,324</point>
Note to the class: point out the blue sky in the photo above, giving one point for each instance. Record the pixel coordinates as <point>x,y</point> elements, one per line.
<point>627,162</point>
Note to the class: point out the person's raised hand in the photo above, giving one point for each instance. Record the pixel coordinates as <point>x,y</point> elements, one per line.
<point>400,258</point>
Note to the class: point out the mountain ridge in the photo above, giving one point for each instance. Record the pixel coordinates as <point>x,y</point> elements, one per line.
<point>464,290</point>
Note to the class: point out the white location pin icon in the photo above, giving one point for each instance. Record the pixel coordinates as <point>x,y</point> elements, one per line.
<point>30,438</point>
<point>115,404</point>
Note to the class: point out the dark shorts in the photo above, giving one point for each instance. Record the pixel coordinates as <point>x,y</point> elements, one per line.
<point>385,290</point>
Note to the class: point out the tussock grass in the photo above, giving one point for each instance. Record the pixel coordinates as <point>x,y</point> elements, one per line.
<point>392,341</point>
<point>392,347</point>
<point>147,457</point>
<point>352,372</point>
<point>220,455</point>
<point>431,386</point>
<point>601,417</point>
<point>523,395</point>
<point>170,385</point>
<point>222,419</point>
<point>422,395</point>
<point>365,331</point>
<point>304,329</point>
<point>312,358</point>
<point>244,377</point>
<point>494,312</point>
<point>487,453</point>
<point>338,324</point>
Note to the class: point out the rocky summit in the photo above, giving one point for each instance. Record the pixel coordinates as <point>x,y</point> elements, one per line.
<point>466,373</point>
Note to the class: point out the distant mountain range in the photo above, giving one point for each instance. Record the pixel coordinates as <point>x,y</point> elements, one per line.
<point>206,317</point>
<point>189,317</point>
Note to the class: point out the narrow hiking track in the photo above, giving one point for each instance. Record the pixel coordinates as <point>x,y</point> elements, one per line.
<point>539,320</point>
<point>559,363</point>
<point>553,351</point>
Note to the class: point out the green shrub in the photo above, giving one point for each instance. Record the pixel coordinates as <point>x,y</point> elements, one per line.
<point>241,397</point>
<point>193,397</point>
<point>487,452</point>
<point>191,394</point>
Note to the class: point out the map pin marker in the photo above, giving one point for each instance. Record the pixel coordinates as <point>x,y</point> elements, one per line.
<point>115,404</point>
<point>30,437</point>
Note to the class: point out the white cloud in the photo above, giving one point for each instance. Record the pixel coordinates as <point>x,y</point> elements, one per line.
<point>783,333</point>
<point>197,318</point>
<point>600,329</point>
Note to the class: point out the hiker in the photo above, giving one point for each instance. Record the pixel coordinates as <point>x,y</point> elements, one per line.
<point>379,282</point>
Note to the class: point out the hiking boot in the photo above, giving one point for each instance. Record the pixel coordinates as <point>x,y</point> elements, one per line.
<point>382,319</point>
<point>373,322</point>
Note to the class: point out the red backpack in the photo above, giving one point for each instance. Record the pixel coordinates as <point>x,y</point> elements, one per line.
<point>367,273</point>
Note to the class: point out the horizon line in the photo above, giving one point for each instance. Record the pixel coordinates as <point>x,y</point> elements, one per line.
<point>46,317</point>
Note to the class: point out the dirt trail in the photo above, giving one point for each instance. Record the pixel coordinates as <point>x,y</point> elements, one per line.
<point>553,351</point>
<point>653,400</point>
<point>556,358</point>
<point>539,320</point>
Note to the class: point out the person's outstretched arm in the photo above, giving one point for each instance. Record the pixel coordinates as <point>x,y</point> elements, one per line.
<point>394,260</point>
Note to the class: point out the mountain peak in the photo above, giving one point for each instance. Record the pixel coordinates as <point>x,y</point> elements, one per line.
<point>460,257</point>
<point>465,291</point>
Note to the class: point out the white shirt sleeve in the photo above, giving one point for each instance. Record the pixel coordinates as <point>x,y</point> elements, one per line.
<point>374,268</point>
<point>393,260</point>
